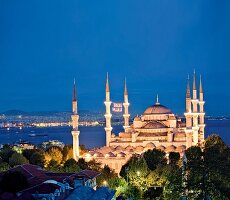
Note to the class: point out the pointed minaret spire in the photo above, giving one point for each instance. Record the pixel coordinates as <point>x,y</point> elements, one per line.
<point>74,91</point>
<point>157,100</point>
<point>201,88</point>
<point>188,107</point>
<point>107,82</point>
<point>194,80</point>
<point>201,112</point>
<point>126,114</point>
<point>107,90</point>
<point>188,96</point>
<point>194,86</point>
<point>125,89</point>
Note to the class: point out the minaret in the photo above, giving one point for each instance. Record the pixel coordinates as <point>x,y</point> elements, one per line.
<point>126,114</point>
<point>195,111</point>
<point>108,127</point>
<point>201,114</point>
<point>188,114</point>
<point>75,118</point>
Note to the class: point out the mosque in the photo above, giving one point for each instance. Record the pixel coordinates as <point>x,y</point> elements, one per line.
<point>158,127</point>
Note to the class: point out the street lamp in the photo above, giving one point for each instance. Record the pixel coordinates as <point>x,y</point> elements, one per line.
<point>138,173</point>
<point>105,183</point>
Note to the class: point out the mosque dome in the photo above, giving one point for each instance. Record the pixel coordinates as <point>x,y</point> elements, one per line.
<point>157,109</point>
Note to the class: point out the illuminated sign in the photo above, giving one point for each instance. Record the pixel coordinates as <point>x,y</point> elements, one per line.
<point>117,107</point>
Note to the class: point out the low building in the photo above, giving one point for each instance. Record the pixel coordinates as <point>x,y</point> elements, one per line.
<point>44,185</point>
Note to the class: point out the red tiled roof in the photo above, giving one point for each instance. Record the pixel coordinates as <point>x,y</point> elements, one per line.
<point>43,188</point>
<point>36,177</point>
<point>89,173</point>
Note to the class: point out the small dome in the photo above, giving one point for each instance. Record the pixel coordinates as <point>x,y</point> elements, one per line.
<point>181,148</point>
<point>98,154</point>
<point>128,148</point>
<point>170,148</point>
<point>121,154</point>
<point>157,109</point>
<point>130,151</point>
<point>161,147</point>
<point>119,148</point>
<point>150,146</point>
<point>110,154</point>
<point>139,148</point>
<point>154,125</point>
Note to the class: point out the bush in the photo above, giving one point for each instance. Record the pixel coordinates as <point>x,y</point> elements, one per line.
<point>17,159</point>
<point>71,166</point>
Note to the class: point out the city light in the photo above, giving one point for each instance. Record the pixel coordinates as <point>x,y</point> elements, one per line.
<point>105,183</point>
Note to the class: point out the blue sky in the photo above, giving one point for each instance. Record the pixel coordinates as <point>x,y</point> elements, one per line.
<point>154,44</point>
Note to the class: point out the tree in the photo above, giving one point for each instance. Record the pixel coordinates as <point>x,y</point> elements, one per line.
<point>82,163</point>
<point>216,176</point>
<point>137,173</point>
<point>172,176</point>
<point>4,166</point>
<point>208,170</point>
<point>118,184</point>
<point>195,168</point>
<point>53,153</point>
<point>106,175</point>
<point>174,158</point>
<point>67,152</point>
<point>17,159</point>
<point>71,166</point>
<point>13,182</point>
<point>94,165</point>
<point>132,192</point>
<point>53,166</point>
<point>27,153</point>
<point>153,193</point>
<point>37,158</point>
<point>154,158</point>
<point>156,178</point>
<point>6,152</point>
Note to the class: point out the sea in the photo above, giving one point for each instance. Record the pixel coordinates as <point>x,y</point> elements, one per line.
<point>90,136</point>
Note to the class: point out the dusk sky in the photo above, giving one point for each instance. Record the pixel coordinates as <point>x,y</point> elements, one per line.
<point>154,44</point>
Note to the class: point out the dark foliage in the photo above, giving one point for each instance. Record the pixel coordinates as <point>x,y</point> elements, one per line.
<point>13,182</point>
<point>154,158</point>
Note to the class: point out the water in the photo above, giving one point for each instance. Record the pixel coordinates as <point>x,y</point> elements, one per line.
<point>92,136</point>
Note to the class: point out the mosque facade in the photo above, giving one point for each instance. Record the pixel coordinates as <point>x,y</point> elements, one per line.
<point>158,127</point>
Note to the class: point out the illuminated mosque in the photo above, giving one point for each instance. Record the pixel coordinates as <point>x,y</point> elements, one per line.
<point>158,127</point>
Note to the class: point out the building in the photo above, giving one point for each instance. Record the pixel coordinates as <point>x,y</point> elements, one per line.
<point>45,185</point>
<point>158,127</point>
